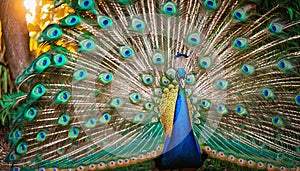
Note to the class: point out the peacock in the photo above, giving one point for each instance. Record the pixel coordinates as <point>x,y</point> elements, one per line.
<point>124,84</point>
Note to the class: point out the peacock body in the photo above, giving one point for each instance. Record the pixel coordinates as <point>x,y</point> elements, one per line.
<point>131,81</point>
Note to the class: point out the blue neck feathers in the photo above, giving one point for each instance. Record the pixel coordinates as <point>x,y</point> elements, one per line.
<point>181,150</point>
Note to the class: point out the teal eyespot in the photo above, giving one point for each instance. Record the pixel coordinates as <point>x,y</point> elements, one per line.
<point>63,120</point>
<point>126,52</point>
<point>222,84</point>
<point>169,9</point>
<point>73,133</point>
<point>205,62</point>
<point>241,110</point>
<point>240,43</point>
<point>193,39</point>
<point>297,99</point>
<point>80,74</point>
<point>105,118</point>
<point>62,97</point>
<point>116,102</point>
<point>239,14</point>
<point>247,69</point>
<point>105,77</point>
<point>52,32</point>
<point>41,136</point>
<point>134,97</point>
<point>194,100</point>
<point>15,136</point>
<point>275,28</point>
<point>138,118</point>
<point>147,79</point>
<point>267,93</point>
<point>284,65</point>
<point>59,60</point>
<point>170,73</point>
<point>70,21</point>
<point>13,156</point>
<point>15,169</point>
<point>86,45</point>
<point>84,4</point>
<point>158,58</point>
<point>37,91</point>
<point>188,92</point>
<point>277,121</point>
<point>148,106</point>
<point>210,4</point>
<point>158,91</point>
<point>124,2</point>
<point>30,114</point>
<point>104,22</point>
<point>205,104</point>
<point>91,123</point>
<point>165,81</point>
<point>42,62</point>
<point>222,109</point>
<point>190,79</point>
<point>21,148</point>
<point>138,25</point>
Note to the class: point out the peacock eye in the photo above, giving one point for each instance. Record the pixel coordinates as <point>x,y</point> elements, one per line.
<point>80,74</point>
<point>190,79</point>
<point>267,93</point>
<point>70,21</point>
<point>275,28</point>
<point>116,102</point>
<point>30,113</point>
<point>239,14</point>
<point>37,91</point>
<point>240,43</point>
<point>147,79</point>
<point>86,45</point>
<point>63,120</point>
<point>41,136</point>
<point>210,4</point>
<point>284,65</point>
<point>105,77</point>
<point>104,22</point>
<point>62,97</point>
<point>158,91</point>
<point>52,32</point>
<point>222,84</point>
<point>241,110</point>
<point>222,109</point>
<point>158,58</point>
<point>205,62</point>
<point>85,4</point>
<point>59,60</point>
<point>73,133</point>
<point>170,73</point>
<point>165,81</point>
<point>138,25</point>
<point>169,9</point>
<point>21,148</point>
<point>42,62</point>
<point>205,104</point>
<point>247,69</point>
<point>90,123</point>
<point>193,39</point>
<point>134,97</point>
<point>126,52</point>
<point>277,121</point>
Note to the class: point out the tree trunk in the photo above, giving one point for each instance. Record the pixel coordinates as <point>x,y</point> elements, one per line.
<point>15,34</point>
<point>17,54</point>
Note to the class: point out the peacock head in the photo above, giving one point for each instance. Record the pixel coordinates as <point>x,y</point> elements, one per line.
<point>181,77</point>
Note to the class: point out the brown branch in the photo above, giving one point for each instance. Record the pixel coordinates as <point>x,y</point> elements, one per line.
<point>15,34</point>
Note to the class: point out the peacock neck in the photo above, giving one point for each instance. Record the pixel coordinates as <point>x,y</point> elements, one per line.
<point>181,148</point>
